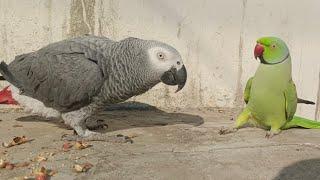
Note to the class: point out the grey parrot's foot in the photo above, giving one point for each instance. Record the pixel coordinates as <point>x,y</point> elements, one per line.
<point>224,130</point>
<point>75,136</point>
<point>95,124</point>
<point>94,136</point>
<point>271,134</point>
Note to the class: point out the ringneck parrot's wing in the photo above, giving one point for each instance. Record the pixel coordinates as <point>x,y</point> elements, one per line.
<point>291,100</point>
<point>247,90</point>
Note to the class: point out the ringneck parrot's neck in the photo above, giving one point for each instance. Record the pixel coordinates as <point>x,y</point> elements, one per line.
<point>275,74</point>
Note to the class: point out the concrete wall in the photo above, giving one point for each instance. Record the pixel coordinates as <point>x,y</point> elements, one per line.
<point>216,39</point>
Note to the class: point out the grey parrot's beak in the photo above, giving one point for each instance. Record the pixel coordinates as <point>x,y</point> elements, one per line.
<point>175,77</point>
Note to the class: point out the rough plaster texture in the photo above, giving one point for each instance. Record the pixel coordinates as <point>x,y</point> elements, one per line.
<point>216,39</point>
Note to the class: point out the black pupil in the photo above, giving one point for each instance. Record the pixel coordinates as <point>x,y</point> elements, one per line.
<point>178,62</point>
<point>160,55</point>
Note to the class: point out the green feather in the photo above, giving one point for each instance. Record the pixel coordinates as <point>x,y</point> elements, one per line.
<point>246,94</point>
<point>302,122</point>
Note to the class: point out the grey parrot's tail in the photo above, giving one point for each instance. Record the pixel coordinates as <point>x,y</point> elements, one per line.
<point>305,101</point>
<point>7,75</point>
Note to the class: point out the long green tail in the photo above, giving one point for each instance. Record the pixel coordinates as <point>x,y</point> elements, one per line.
<point>302,122</point>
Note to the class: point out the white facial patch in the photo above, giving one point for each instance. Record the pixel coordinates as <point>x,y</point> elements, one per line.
<point>168,61</point>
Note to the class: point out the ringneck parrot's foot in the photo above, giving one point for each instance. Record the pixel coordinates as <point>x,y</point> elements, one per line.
<point>94,136</point>
<point>272,133</point>
<point>95,124</point>
<point>224,130</point>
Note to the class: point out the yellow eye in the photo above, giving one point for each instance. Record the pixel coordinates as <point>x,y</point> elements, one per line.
<point>160,55</point>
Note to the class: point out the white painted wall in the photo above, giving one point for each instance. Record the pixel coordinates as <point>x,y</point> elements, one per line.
<point>216,39</point>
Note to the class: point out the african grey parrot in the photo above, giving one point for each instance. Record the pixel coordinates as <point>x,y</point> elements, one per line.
<point>77,77</point>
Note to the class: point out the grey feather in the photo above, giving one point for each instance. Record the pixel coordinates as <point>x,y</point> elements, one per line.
<point>73,73</point>
<point>63,75</point>
<point>8,75</point>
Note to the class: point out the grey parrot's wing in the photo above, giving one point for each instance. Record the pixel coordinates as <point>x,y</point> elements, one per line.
<point>64,75</point>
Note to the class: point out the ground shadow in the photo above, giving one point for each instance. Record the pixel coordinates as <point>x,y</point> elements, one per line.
<point>306,169</point>
<point>130,115</point>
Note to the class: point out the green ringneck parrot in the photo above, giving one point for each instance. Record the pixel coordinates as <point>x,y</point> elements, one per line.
<point>271,95</point>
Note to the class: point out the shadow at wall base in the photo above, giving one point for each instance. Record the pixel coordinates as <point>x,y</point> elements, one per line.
<point>129,115</point>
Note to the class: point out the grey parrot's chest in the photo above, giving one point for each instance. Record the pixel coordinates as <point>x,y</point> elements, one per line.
<point>116,89</point>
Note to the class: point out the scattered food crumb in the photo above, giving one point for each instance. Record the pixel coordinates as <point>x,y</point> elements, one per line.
<point>82,167</point>
<point>40,158</point>
<point>6,165</point>
<point>3,163</point>
<point>27,178</point>
<point>66,146</point>
<point>81,145</point>
<point>16,141</point>
<point>3,152</point>
<point>41,174</point>
<point>133,135</point>
<point>9,166</point>
<point>44,174</point>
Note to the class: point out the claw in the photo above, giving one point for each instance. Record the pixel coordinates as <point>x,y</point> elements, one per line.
<point>224,130</point>
<point>96,124</point>
<point>271,134</point>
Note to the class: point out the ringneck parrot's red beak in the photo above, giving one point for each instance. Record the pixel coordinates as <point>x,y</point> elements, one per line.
<point>258,51</point>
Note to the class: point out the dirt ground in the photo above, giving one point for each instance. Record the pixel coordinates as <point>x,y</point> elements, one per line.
<point>180,144</point>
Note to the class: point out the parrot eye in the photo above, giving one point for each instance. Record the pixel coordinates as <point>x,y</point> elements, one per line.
<point>160,55</point>
<point>273,45</point>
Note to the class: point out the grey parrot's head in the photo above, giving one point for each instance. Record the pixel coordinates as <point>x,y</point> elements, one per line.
<point>167,64</point>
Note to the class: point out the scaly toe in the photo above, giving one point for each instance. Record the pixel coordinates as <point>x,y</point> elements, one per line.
<point>271,134</point>
<point>96,124</point>
<point>76,137</point>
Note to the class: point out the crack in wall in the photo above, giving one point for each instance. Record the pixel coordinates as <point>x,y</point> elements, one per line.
<point>4,41</point>
<point>100,18</point>
<point>110,19</point>
<point>49,27</point>
<point>317,114</point>
<point>239,100</point>
<point>82,18</point>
